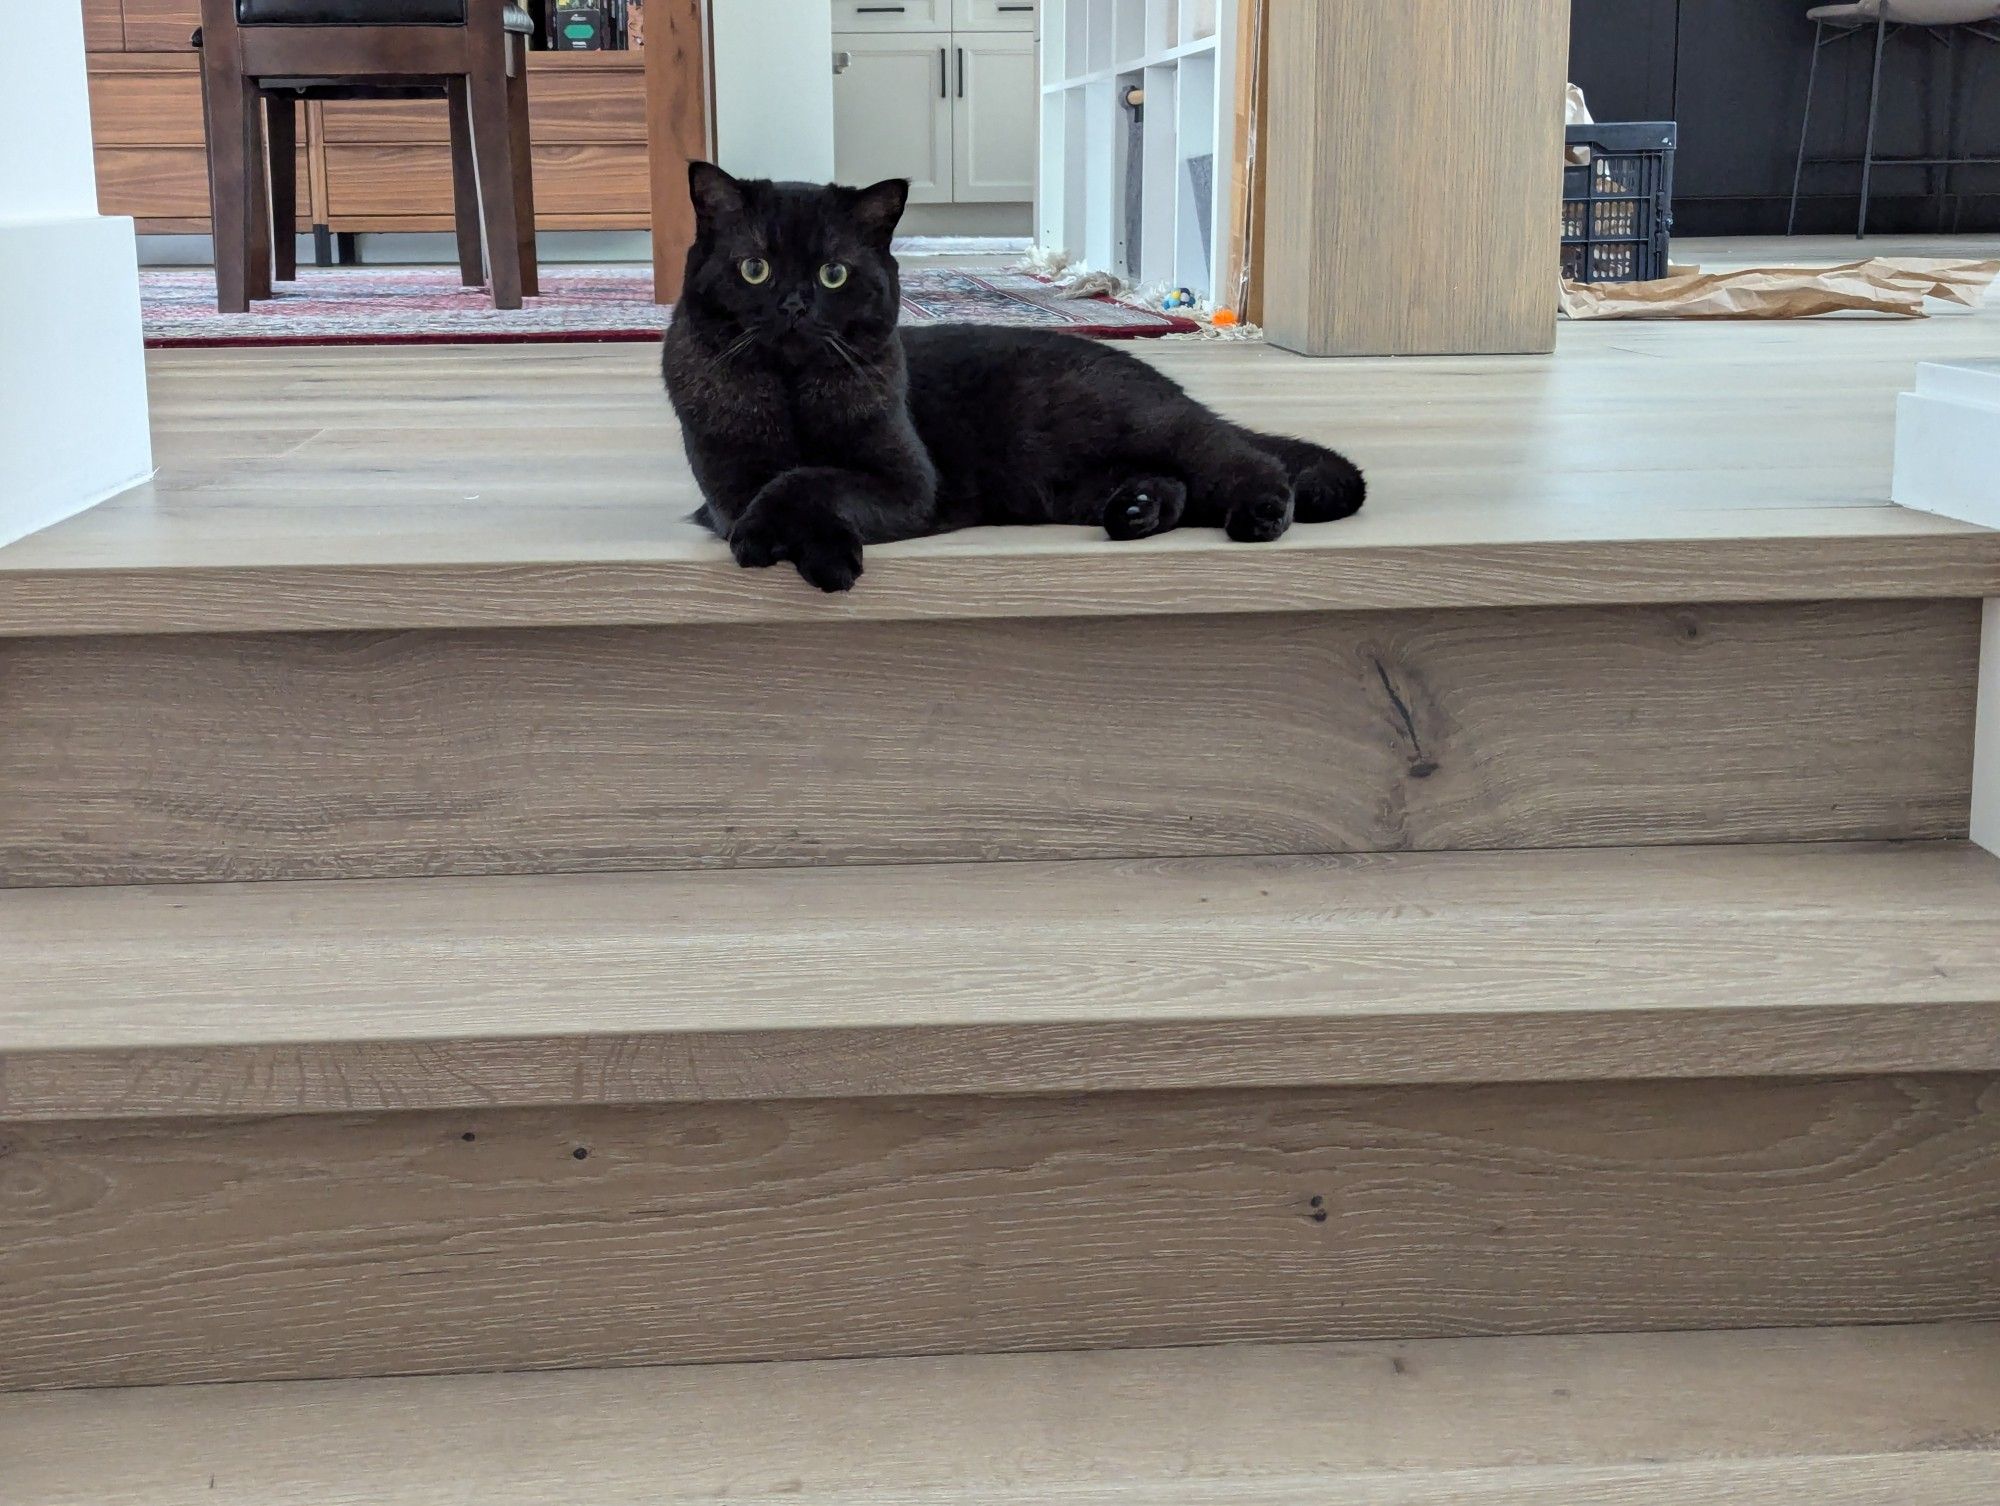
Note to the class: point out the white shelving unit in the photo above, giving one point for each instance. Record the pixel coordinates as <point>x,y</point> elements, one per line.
<point>1170,224</point>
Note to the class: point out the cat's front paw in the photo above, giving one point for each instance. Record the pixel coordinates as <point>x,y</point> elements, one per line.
<point>1145,505</point>
<point>1259,517</point>
<point>825,549</point>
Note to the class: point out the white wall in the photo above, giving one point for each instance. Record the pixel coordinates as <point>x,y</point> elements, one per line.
<point>72,369</point>
<point>774,88</point>
<point>45,166</point>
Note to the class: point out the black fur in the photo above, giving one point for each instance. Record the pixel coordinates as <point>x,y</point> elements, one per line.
<point>814,426</point>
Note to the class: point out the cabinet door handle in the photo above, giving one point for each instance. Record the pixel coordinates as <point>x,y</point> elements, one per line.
<point>1014,7</point>
<point>880,10</point>
<point>961,73</point>
<point>944,74</point>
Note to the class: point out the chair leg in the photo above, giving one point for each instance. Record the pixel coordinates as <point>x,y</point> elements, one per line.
<point>520,149</point>
<point>257,213</point>
<point>1954,143</point>
<point>464,182</point>
<point>492,139</point>
<point>1805,123</point>
<point>1874,103</point>
<point>229,107</point>
<point>281,123</point>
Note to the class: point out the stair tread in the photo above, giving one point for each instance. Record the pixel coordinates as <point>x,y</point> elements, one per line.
<point>1606,475</point>
<point>674,572</point>
<point>1000,977</point>
<point>1899,1416</point>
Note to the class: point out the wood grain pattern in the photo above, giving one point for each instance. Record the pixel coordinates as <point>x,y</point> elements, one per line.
<point>566,106</point>
<point>999,978</point>
<point>1376,246</point>
<point>160,25</point>
<point>326,1246</point>
<point>154,183</point>
<point>156,105</point>
<point>1494,482</point>
<point>1852,1417</point>
<point>103,25</point>
<point>362,755</point>
<point>677,116</point>
<point>167,187</point>
<point>385,182</point>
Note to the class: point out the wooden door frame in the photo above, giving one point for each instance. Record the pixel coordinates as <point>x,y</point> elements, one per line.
<point>678,112</point>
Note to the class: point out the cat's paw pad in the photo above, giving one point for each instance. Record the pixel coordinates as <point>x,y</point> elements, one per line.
<point>1145,505</point>
<point>1259,517</point>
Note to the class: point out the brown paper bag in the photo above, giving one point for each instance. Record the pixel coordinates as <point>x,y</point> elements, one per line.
<point>1882,285</point>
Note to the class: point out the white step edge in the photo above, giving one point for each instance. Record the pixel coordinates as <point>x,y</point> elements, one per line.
<point>1948,442</point>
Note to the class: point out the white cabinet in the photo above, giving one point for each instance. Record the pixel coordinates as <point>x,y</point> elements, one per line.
<point>892,15</point>
<point>993,15</point>
<point>892,111</point>
<point>993,123</point>
<point>946,93</point>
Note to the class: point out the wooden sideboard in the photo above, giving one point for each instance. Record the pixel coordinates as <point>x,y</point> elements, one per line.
<point>362,166</point>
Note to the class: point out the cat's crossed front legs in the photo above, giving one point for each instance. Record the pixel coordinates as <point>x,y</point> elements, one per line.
<point>817,517</point>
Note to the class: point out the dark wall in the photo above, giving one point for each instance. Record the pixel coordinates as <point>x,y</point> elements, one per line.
<point>1733,74</point>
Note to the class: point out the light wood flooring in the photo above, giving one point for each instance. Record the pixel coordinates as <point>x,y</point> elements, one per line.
<point>408,486</point>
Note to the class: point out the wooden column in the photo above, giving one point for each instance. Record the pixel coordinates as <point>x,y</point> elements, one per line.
<point>1413,165</point>
<point>676,130</point>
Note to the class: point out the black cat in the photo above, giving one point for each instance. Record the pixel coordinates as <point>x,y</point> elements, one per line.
<point>814,428</point>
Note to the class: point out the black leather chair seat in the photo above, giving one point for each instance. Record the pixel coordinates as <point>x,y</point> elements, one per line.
<point>367,13</point>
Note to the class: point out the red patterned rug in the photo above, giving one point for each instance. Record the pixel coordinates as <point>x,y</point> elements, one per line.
<point>426,305</point>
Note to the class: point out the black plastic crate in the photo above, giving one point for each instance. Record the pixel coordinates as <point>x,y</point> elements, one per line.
<point>1618,208</point>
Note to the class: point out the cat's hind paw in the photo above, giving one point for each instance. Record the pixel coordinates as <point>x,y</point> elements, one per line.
<point>1145,505</point>
<point>1259,517</point>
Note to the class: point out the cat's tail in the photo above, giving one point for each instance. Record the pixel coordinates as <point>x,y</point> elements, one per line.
<point>1326,485</point>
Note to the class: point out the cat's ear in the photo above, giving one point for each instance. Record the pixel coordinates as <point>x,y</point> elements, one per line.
<point>718,198</point>
<point>878,206</point>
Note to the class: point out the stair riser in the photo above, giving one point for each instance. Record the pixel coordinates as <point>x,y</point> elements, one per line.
<point>344,755</point>
<point>245,1249</point>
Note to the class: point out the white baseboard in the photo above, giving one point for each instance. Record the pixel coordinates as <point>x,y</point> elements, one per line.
<point>1948,442</point>
<point>72,370</point>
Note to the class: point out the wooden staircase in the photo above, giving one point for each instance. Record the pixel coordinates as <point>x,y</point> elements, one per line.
<point>1540,1043</point>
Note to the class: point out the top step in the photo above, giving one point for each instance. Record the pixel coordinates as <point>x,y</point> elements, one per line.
<point>544,486</point>
<point>169,581</point>
<point>1812,959</point>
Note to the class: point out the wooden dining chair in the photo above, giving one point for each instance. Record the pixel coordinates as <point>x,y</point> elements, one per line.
<point>261,58</point>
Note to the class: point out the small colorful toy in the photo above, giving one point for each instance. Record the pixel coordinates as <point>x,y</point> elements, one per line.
<point>1179,298</point>
<point>1223,318</point>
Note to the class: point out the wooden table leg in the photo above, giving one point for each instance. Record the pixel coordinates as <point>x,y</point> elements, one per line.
<point>676,130</point>
<point>1414,175</point>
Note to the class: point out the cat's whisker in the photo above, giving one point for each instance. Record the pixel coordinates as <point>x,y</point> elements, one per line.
<point>842,349</point>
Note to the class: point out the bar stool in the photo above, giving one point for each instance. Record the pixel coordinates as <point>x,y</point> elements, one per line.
<point>1943,20</point>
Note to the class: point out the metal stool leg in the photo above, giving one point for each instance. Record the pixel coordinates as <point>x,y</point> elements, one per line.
<point>1874,100</point>
<point>1805,123</point>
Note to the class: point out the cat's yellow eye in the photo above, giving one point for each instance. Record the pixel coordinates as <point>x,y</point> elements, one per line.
<point>754,269</point>
<point>832,275</point>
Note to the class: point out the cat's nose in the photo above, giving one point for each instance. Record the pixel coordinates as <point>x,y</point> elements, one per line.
<point>793,304</point>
